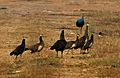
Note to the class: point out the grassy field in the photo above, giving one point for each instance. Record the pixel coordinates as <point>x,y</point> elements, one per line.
<point>30,18</point>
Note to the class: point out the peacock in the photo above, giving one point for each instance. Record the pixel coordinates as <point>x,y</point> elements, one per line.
<point>80,23</point>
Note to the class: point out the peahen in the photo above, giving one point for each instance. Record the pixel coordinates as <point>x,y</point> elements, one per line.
<point>19,49</point>
<point>36,47</point>
<point>89,43</point>
<point>59,45</point>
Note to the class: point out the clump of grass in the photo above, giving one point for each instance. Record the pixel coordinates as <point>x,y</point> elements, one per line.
<point>43,67</point>
<point>46,61</point>
<point>109,62</point>
<point>108,73</point>
<point>106,46</point>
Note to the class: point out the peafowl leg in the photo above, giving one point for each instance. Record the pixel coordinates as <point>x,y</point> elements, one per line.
<point>16,57</point>
<point>67,51</point>
<point>21,55</point>
<point>80,51</point>
<point>38,54</point>
<point>86,51</point>
<point>72,52</point>
<point>61,54</point>
<point>57,54</point>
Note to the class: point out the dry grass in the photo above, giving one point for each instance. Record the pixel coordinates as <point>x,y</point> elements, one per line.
<point>30,18</point>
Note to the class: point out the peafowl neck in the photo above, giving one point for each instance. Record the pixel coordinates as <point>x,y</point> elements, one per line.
<point>92,38</point>
<point>77,37</point>
<point>41,40</point>
<point>23,42</point>
<point>62,35</point>
<point>87,31</point>
<point>82,17</point>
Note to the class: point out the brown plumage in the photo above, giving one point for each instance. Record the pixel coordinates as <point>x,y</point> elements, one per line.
<point>80,42</point>
<point>83,40</point>
<point>37,47</point>
<point>71,45</point>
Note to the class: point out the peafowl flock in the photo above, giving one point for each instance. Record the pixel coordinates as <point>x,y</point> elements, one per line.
<point>19,49</point>
<point>82,41</point>
<point>36,47</point>
<point>59,45</point>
